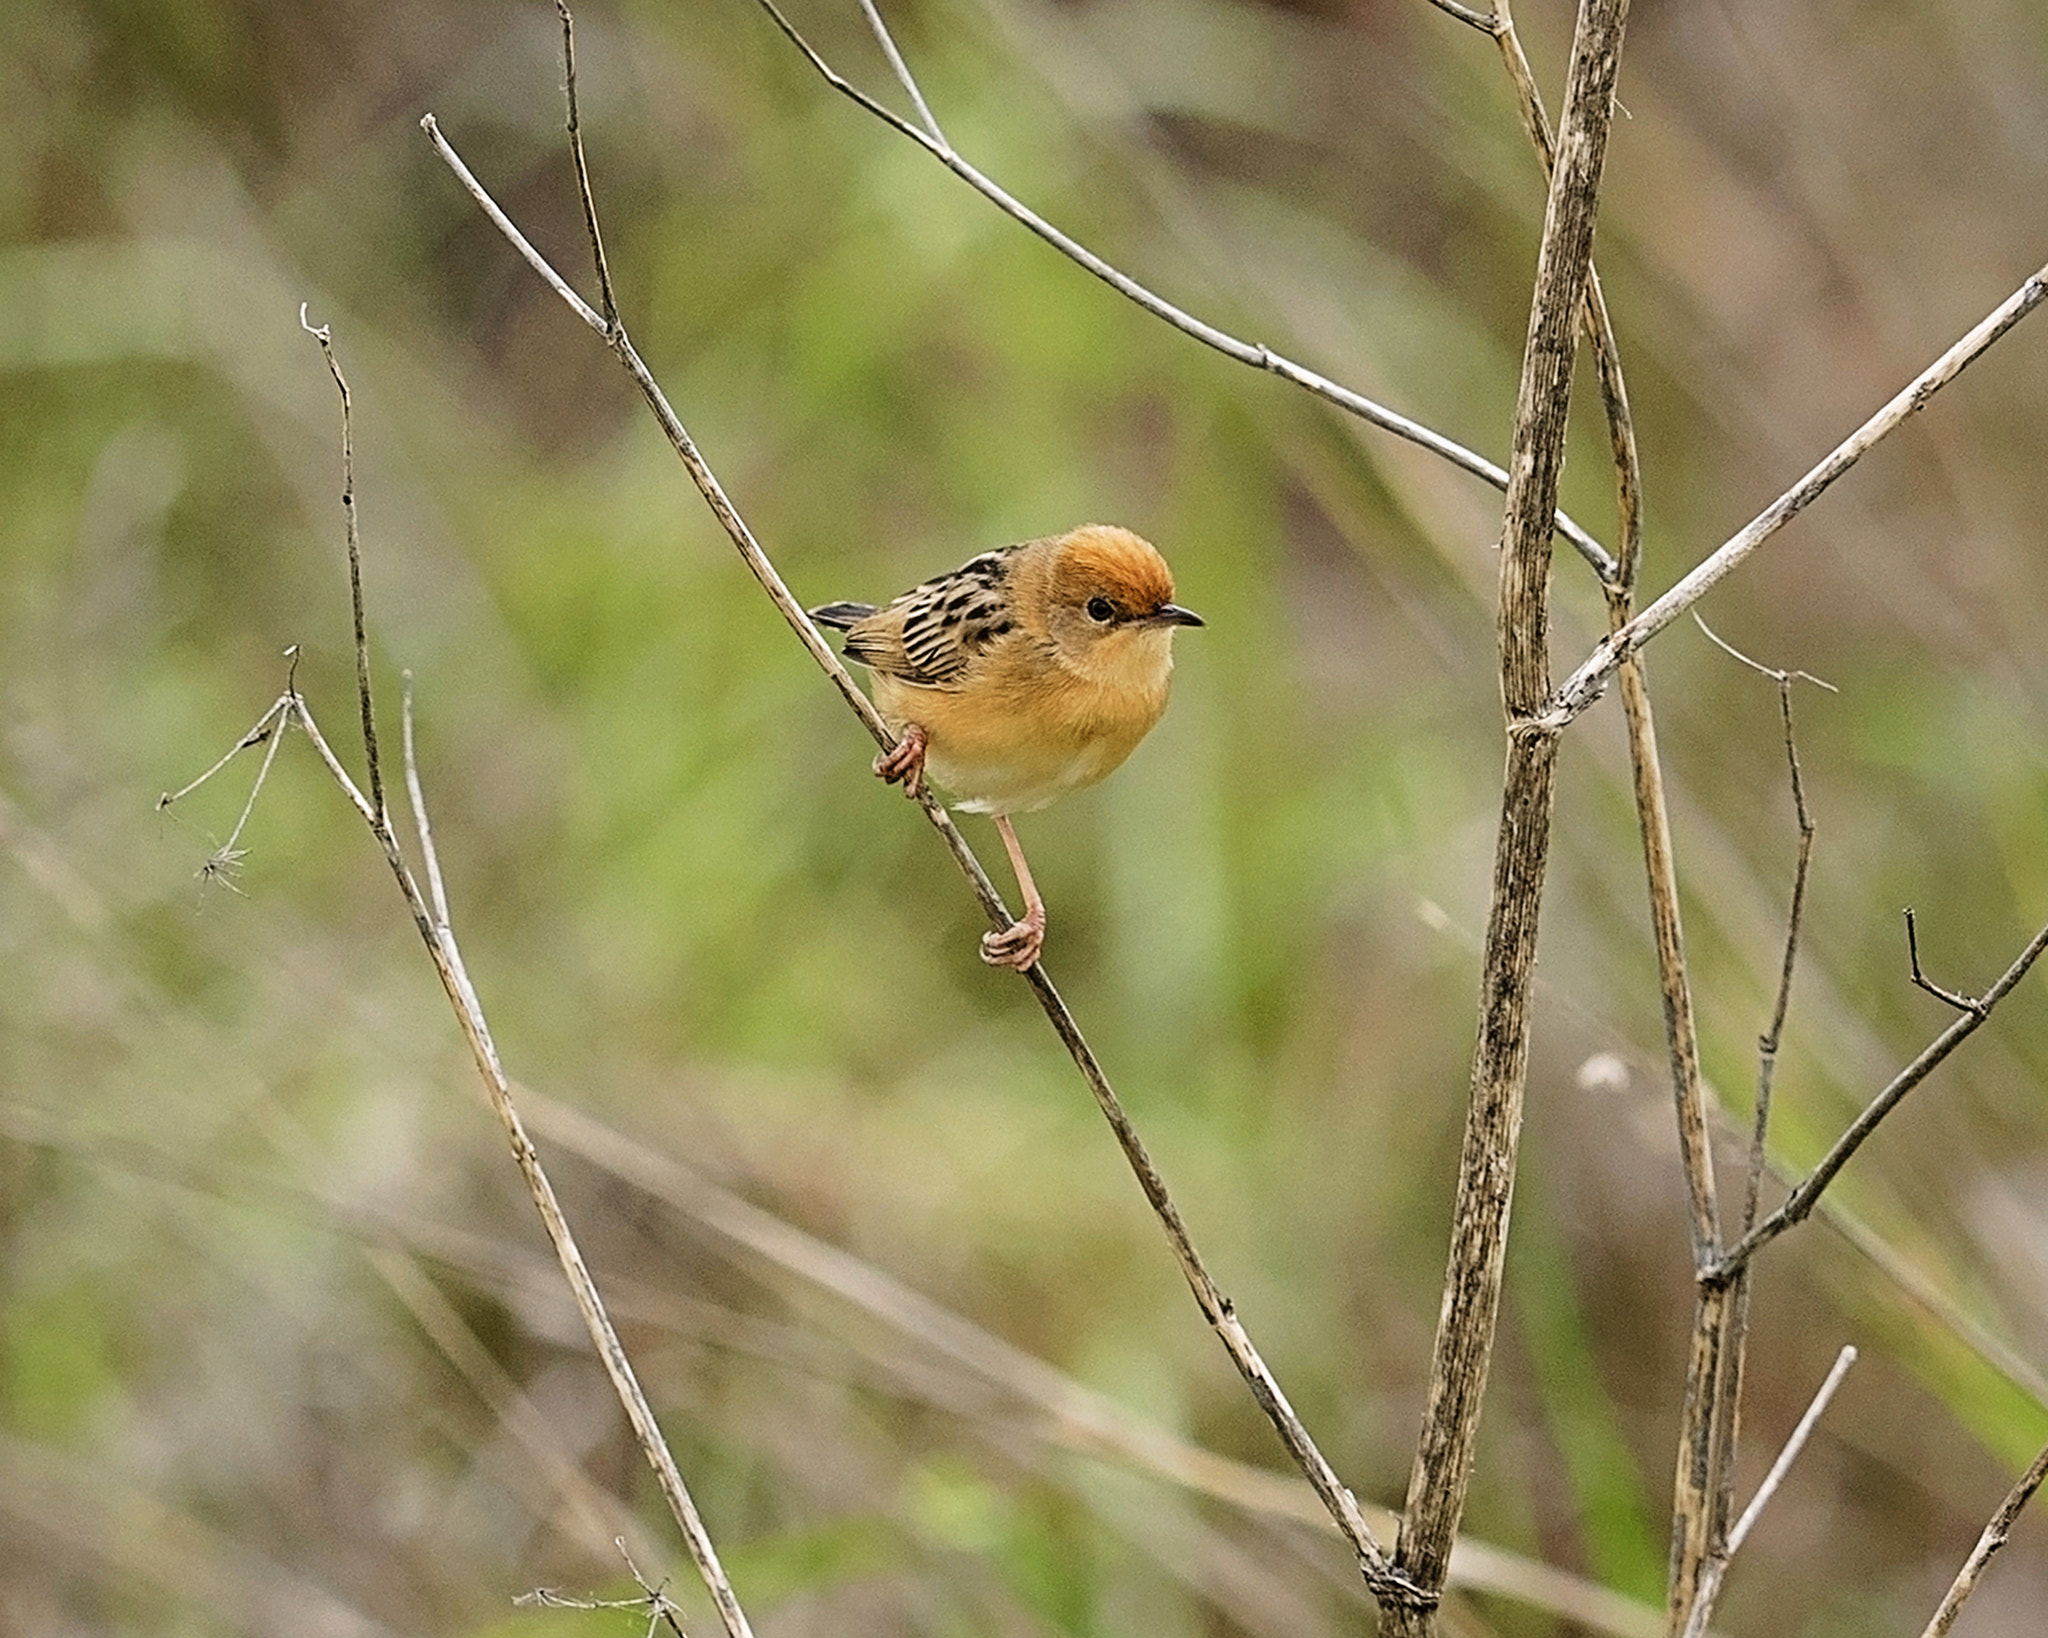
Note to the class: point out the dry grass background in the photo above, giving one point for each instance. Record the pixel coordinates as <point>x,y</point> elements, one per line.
<point>250,1208</point>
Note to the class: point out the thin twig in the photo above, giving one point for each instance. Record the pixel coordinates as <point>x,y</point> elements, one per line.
<point>226,857</point>
<point>904,77</point>
<point>1341,1503</point>
<point>503,223</point>
<point>355,560</point>
<point>1255,355</point>
<point>661,1610</point>
<point>1715,1570</point>
<point>1584,686</point>
<point>1465,14</point>
<point>1955,998</point>
<point>575,129</point>
<point>1800,1203</point>
<point>1988,1544</point>
<point>1711,1423</point>
<point>266,725</point>
<point>1768,1043</point>
<point>1822,1398</point>
<point>417,797</point>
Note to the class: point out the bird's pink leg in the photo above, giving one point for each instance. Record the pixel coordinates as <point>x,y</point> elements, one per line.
<point>904,760</point>
<point>1018,944</point>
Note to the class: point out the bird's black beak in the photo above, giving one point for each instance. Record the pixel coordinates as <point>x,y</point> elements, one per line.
<point>1174,614</point>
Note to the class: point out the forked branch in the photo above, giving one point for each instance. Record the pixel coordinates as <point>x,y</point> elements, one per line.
<point>432,921</point>
<point>1800,1203</point>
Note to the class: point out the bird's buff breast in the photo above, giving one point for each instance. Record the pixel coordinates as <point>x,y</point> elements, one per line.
<point>1021,754</point>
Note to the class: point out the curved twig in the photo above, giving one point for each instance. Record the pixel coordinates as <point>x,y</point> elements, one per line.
<point>1253,354</point>
<point>1800,1203</point>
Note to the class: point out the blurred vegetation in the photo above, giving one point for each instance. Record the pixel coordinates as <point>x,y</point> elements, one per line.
<point>250,1208</point>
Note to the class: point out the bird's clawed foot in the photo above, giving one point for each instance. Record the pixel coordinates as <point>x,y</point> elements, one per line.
<point>903,763</point>
<point>1017,945</point>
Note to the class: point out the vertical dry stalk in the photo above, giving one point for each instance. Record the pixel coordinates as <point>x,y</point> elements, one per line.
<point>1652,814</point>
<point>1471,1304</point>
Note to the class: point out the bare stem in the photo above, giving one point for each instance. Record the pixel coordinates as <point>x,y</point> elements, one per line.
<point>439,938</point>
<point>1769,1042</point>
<point>1584,686</point>
<point>355,560</point>
<point>418,798</point>
<point>574,126</point>
<point>1342,1505</point>
<point>904,77</point>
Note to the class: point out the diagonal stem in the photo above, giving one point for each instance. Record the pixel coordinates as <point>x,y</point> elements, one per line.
<point>1585,685</point>
<point>1384,1582</point>
<point>1255,355</point>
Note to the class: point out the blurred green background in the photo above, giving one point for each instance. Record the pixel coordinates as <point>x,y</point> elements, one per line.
<point>280,1343</point>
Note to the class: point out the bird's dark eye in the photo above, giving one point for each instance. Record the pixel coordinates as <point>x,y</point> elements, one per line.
<point>1101,610</point>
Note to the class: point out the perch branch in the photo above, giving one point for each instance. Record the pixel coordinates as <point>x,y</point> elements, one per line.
<point>1342,1505</point>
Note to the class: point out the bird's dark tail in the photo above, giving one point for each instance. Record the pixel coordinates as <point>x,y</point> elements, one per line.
<point>843,616</point>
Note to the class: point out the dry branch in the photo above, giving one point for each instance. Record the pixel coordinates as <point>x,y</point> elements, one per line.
<point>1457,1385</point>
<point>1994,1537</point>
<point>439,937</point>
<point>1342,1505</point>
<point>1254,354</point>
<point>1584,686</point>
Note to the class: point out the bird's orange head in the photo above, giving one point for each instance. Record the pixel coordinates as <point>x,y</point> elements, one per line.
<point>1115,577</point>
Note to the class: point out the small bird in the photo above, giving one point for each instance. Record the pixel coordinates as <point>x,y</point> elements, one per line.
<point>1027,672</point>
